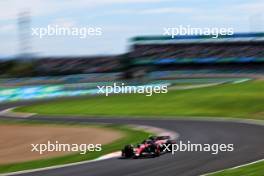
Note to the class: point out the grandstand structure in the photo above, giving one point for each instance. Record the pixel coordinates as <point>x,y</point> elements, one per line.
<point>149,57</point>
<point>77,65</point>
<point>239,53</point>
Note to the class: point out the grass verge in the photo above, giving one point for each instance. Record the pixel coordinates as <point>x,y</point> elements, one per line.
<point>243,100</point>
<point>131,136</point>
<point>249,170</point>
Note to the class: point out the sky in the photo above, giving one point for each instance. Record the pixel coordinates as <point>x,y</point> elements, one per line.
<point>120,20</point>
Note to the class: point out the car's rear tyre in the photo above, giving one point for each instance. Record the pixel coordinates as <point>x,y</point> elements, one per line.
<point>128,151</point>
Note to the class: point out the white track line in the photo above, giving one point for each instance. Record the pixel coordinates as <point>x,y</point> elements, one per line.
<point>186,87</point>
<point>10,113</point>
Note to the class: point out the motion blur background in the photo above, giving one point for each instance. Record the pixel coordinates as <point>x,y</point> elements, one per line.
<point>131,49</point>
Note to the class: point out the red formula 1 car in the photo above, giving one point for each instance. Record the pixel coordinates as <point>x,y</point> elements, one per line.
<point>151,147</point>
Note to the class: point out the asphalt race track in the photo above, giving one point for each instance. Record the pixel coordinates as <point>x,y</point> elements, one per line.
<point>247,139</point>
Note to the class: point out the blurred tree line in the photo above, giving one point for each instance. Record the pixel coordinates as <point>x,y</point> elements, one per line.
<point>17,68</point>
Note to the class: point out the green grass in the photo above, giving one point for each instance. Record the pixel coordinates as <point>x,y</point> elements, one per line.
<point>131,136</point>
<point>256,169</point>
<point>244,100</point>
